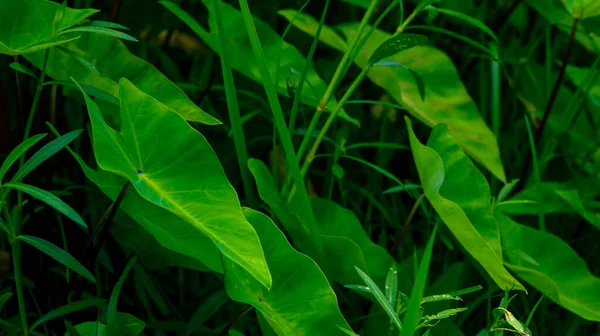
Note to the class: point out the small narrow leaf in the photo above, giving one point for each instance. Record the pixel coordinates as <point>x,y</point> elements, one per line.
<point>465,291</point>
<point>23,69</point>
<point>380,298</point>
<point>58,17</point>
<point>396,44</point>
<point>105,24</point>
<point>45,153</point>
<point>359,288</point>
<point>51,200</point>
<point>70,329</point>
<point>111,317</point>
<point>467,18</point>
<point>391,285</point>
<point>79,59</point>
<point>444,314</point>
<point>59,255</point>
<point>441,297</point>
<point>18,152</point>
<point>65,310</point>
<point>100,30</point>
<point>3,298</point>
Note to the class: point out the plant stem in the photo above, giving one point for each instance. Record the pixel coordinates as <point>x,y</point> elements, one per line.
<point>234,110</point>
<point>36,97</point>
<point>16,257</point>
<point>409,219</point>
<point>550,104</point>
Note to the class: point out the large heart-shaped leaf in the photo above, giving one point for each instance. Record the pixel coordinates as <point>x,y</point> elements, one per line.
<point>449,103</point>
<point>28,25</point>
<point>345,243</point>
<point>552,266</point>
<point>445,171</point>
<point>283,59</point>
<point>178,236</point>
<point>172,165</point>
<point>113,61</point>
<point>581,9</point>
<point>300,302</point>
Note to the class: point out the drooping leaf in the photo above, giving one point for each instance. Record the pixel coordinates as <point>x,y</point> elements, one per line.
<point>23,69</point>
<point>581,9</point>
<point>53,201</point>
<point>395,45</point>
<point>466,18</point>
<point>380,297</point>
<point>19,151</point>
<point>44,154</point>
<point>28,25</point>
<point>552,267</point>
<point>67,309</point>
<point>300,301</point>
<point>113,61</point>
<point>168,176</point>
<point>290,59</point>
<point>99,30</point>
<point>444,170</point>
<point>58,254</point>
<point>449,104</point>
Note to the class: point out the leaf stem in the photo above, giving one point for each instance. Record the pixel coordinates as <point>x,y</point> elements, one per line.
<point>16,257</point>
<point>550,104</point>
<point>36,99</point>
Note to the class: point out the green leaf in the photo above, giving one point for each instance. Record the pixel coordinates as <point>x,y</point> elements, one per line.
<point>23,69</point>
<point>151,218</point>
<point>557,14</point>
<point>205,311</point>
<point>300,301</point>
<point>381,299</point>
<point>65,310</point>
<point>90,329</point>
<point>19,151</point>
<point>110,57</point>
<point>168,177</point>
<point>413,309</point>
<point>125,324</point>
<point>551,266</point>
<point>306,22</point>
<point>289,58</point>
<point>391,285</point>
<point>71,331</point>
<point>579,75</point>
<point>114,325</point>
<point>466,18</point>
<point>44,154</point>
<point>513,322</point>
<point>100,30</point>
<point>395,45</point>
<point>581,9</point>
<point>453,107</point>
<point>59,255</point>
<point>444,170</point>
<point>439,297</point>
<point>28,25</point>
<point>444,314</point>
<point>3,298</point>
<point>53,201</point>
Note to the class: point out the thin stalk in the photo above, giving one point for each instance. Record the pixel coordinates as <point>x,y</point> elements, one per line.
<point>311,155</point>
<point>406,22</point>
<point>235,319</point>
<point>284,134</point>
<point>63,237</point>
<point>550,104</point>
<point>36,98</point>
<point>307,64</point>
<point>409,219</point>
<point>495,108</point>
<point>536,168</point>
<point>234,110</point>
<point>16,257</point>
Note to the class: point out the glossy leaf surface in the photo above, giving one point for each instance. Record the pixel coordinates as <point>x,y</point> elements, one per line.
<point>448,104</point>
<point>282,58</point>
<point>28,25</point>
<point>300,302</point>
<point>167,174</point>
<point>444,170</point>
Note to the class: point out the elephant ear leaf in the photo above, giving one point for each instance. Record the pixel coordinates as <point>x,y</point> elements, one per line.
<point>31,25</point>
<point>171,165</point>
<point>551,266</point>
<point>300,295</point>
<point>581,9</point>
<point>444,170</point>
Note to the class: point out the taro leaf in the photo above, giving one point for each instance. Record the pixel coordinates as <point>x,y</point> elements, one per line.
<point>28,25</point>
<point>581,9</point>
<point>444,171</point>
<point>555,197</point>
<point>448,104</point>
<point>552,267</point>
<point>290,60</point>
<point>178,237</point>
<point>113,61</point>
<point>171,165</point>
<point>151,253</point>
<point>395,45</point>
<point>557,14</point>
<point>300,301</point>
<point>345,242</point>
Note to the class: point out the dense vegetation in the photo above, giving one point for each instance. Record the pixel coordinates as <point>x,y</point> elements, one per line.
<point>263,167</point>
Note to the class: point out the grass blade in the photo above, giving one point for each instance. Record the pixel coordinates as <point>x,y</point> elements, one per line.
<point>51,200</point>
<point>59,255</point>
<point>111,317</point>
<point>65,310</point>
<point>45,153</point>
<point>380,298</point>
<point>19,151</point>
<point>100,30</point>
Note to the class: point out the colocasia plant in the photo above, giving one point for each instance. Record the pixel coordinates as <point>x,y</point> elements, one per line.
<point>298,167</point>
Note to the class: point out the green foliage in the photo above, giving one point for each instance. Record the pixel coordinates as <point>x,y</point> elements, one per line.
<point>267,220</point>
